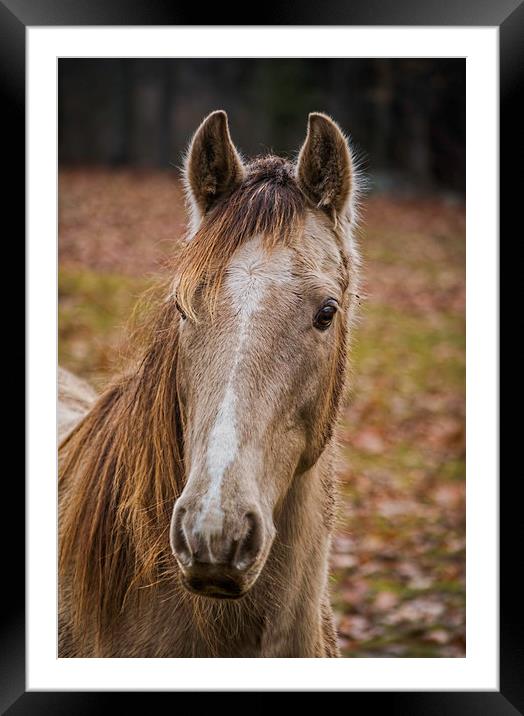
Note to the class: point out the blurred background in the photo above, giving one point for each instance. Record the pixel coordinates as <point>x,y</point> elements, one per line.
<point>398,563</point>
<point>408,115</point>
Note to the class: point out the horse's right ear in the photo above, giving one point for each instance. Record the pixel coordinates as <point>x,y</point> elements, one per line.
<point>213,165</point>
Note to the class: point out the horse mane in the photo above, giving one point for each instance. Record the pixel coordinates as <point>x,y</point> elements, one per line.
<point>122,467</point>
<point>120,471</point>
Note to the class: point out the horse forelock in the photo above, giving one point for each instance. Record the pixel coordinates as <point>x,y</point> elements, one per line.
<point>268,203</point>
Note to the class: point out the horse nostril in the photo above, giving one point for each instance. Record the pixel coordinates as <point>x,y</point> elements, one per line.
<point>251,543</point>
<point>179,543</point>
<point>197,584</point>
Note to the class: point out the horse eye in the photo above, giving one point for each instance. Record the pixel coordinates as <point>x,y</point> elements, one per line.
<point>325,315</point>
<point>182,314</point>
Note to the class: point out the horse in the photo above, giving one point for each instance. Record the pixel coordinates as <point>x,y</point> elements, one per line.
<point>198,492</point>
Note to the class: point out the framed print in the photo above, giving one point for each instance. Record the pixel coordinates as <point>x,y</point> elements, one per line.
<point>320,202</point>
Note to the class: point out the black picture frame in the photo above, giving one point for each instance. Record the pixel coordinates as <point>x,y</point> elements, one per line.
<point>508,16</point>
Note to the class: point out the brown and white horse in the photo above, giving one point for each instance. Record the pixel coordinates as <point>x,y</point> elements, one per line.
<point>197,493</point>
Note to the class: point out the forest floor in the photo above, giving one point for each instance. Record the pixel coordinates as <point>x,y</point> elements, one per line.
<point>398,562</point>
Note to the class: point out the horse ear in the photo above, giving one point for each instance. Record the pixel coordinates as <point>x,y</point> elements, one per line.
<point>213,165</point>
<point>324,168</point>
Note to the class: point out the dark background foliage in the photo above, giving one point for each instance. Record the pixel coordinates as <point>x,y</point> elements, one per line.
<point>408,115</point>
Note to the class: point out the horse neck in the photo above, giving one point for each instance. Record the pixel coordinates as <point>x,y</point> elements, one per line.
<point>304,528</point>
<point>295,580</point>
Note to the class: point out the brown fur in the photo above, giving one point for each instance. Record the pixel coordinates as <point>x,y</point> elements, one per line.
<point>124,465</point>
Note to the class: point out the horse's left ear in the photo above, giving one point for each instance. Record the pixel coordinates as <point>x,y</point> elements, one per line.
<point>324,168</point>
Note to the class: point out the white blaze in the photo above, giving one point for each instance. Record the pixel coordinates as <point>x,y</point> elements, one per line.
<point>249,274</point>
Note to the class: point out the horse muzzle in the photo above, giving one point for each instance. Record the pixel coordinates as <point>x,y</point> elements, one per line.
<point>218,558</point>
<point>215,581</point>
